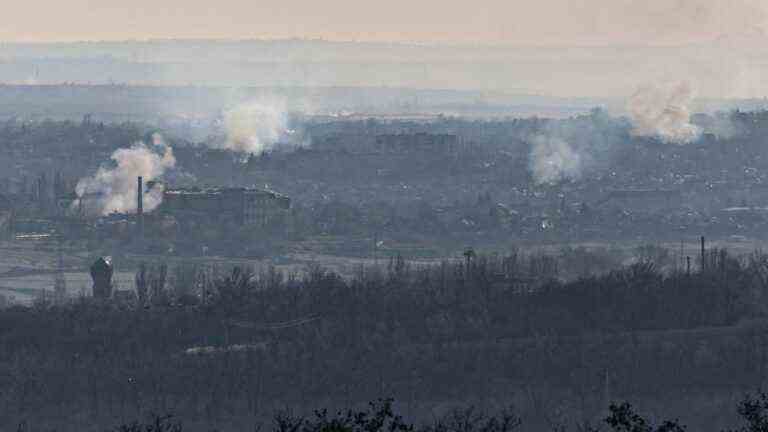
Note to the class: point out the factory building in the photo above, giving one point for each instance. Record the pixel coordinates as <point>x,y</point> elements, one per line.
<point>418,142</point>
<point>242,206</point>
<point>641,199</point>
<point>6,217</point>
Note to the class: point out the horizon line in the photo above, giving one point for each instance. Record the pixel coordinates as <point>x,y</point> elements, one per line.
<point>404,43</point>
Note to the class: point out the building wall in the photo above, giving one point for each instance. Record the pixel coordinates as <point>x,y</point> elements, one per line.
<point>261,207</point>
<point>420,142</point>
<point>642,200</point>
<point>6,221</point>
<point>238,205</point>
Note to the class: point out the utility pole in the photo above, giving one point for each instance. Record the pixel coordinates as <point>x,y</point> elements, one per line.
<point>682,256</point>
<point>80,211</point>
<point>375,249</point>
<point>140,206</point>
<point>59,281</point>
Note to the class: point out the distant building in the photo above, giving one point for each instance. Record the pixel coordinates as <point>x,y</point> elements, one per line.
<point>6,217</point>
<point>66,205</point>
<point>418,142</point>
<point>744,216</point>
<point>641,199</point>
<point>242,206</point>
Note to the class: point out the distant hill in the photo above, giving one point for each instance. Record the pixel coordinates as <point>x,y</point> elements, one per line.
<point>151,103</point>
<point>731,68</point>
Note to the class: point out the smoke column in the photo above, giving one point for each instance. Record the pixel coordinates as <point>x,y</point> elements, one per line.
<point>552,159</point>
<point>255,127</point>
<point>662,111</point>
<point>114,189</point>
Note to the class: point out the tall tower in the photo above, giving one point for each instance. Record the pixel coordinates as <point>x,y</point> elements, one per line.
<point>101,273</point>
<point>140,206</point>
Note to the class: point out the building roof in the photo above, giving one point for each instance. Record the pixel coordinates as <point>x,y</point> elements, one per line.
<point>620,194</point>
<point>745,209</point>
<point>211,191</point>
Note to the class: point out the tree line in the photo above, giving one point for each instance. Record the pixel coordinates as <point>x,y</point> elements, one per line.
<point>233,345</point>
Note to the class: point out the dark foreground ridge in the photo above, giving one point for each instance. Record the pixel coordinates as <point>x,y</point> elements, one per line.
<point>381,417</point>
<point>226,349</point>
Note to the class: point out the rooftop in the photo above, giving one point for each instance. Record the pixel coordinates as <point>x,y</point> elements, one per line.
<point>220,190</point>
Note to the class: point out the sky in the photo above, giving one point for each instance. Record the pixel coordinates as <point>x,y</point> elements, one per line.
<point>542,22</point>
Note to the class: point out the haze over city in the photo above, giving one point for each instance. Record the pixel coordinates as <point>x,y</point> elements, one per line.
<point>718,46</point>
<point>392,216</point>
<point>549,22</point>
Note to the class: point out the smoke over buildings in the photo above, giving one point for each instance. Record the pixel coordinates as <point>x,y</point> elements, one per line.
<point>113,189</point>
<point>255,127</point>
<point>552,159</point>
<point>662,111</point>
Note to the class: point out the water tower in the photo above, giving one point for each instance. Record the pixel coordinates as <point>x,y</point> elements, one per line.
<point>101,273</point>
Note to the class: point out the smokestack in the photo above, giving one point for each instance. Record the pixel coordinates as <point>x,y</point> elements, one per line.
<point>140,205</point>
<point>139,196</point>
<point>703,262</point>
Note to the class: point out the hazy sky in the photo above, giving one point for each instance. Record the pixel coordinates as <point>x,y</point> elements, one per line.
<point>508,21</point>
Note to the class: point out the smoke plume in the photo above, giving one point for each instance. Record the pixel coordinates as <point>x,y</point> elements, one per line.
<point>256,127</point>
<point>662,112</point>
<point>552,159</point>
<point>113,189</point>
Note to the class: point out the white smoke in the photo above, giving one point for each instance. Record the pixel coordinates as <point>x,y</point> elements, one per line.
<point>552,159</point>
<point>32,78</point>
<point>113,189</point>
<point>255,127</point>
<point>662,111</point>
<point>720,124</point>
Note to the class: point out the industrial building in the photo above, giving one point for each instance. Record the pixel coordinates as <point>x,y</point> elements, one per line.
<point>641,199</point>
<point>242,206</point>
<point>6,217</point>
<point>418,142</point>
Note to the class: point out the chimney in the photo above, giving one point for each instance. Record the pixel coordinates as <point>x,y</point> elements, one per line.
<point>140,206</point>
<point>139,197</point>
